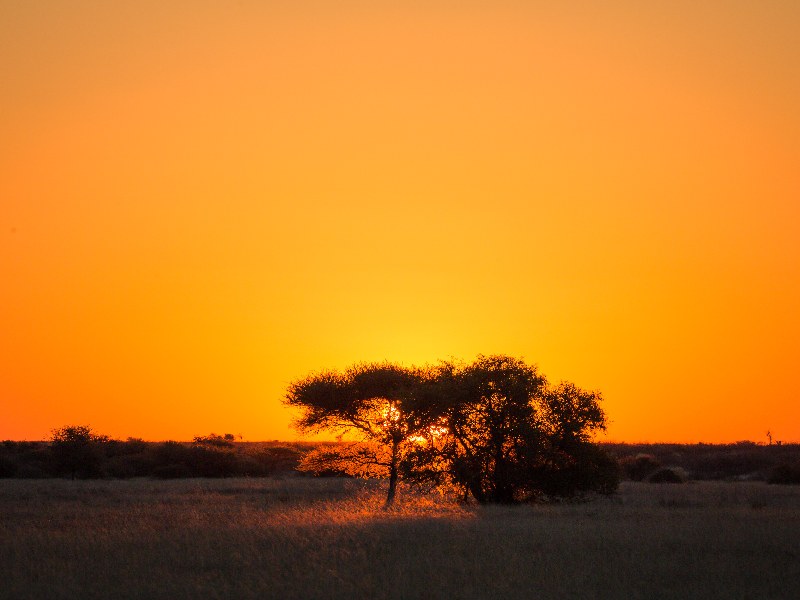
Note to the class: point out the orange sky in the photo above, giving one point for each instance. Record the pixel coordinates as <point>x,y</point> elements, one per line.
<point>201,201</point>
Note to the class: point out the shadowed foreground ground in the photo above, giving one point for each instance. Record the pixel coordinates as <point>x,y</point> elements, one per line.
<point>317,538</point>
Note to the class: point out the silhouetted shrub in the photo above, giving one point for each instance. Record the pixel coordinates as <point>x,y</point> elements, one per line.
<point>587,468</point>
<point>125,466</point>
<point>175,471</point>
<point>278,459</point>
<point>33,460</point>
<point>602,473</point>
<point>32,471</point>
<point>126,448</point>
<point>78,451</point>
<point>215,441</point>
<point>248,466</point>
<point>8,466</point>
<point>171,453</point>
<point>639,467</point>
<point>668,475</point>
<point>785,474</point>
<point>174,459</point>
<point>213,462</point>
<point>134,445</point>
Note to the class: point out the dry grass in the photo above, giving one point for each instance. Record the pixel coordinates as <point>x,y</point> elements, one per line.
<point>317,538</point>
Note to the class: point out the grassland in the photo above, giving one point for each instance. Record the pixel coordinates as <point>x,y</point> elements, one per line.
<point>329,538</point>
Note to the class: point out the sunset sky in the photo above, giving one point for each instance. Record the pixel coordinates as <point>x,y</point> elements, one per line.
<point>201,201</point>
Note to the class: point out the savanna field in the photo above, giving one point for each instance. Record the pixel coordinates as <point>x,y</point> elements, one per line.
<point>517,283</point>
<point>301,537</point>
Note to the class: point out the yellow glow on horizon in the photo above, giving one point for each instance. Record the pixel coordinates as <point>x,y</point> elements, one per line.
<point>201,203</point>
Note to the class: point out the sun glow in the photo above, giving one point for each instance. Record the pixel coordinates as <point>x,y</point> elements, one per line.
<point>392,417</point>
<point>430,434</point>
<point>202,203</point>
<point>394,422</point>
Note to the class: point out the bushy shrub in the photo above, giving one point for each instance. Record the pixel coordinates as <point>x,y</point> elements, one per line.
<point>171,453</point>
<point>277,459</point>
<point>215,441</point>
<point>33,459</point>
<point>8,466</point>
<point>639,467</point>
<point>198,459</point>
<point>589,469</point>
<point>174,471</point>
<point>213,462</point>
<point>78,451</point>
<point>785,474</point>
<point>668,475</point>
<point>125,466</point>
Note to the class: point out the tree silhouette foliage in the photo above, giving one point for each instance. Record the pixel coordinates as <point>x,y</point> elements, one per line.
<point>377,404</point>
<point>494,429</point>
<point>77,451</point>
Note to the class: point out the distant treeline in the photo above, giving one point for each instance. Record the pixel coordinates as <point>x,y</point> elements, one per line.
<point>79,453</point>
<point>741,461</point>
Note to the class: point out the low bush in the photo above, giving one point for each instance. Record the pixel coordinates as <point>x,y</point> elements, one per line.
<point>595,471</point>
<point>8,467</point>
<point>785,474</point>
<point>278,458</point>
<point>171,472</point>
<point>668,475</point>
<point>125,466</point>
<point>639,467</point>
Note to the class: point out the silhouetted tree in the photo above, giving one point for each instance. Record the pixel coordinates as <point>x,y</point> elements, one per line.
<point>569,416</point>
<point>493,428</point>
<point>77,451</point>
<point>504,436</point>
<point>488,428</point>
<point>376,404</point>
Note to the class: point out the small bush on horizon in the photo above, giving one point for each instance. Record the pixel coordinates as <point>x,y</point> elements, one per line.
<point>785,474</point>
<point>215,441</point>
<point>668,475</point>
<point>639,467</point>
<point>78,451</point>
<point>8,467</point>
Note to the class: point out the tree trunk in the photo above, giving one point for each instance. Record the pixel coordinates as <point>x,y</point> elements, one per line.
<point>503,489</point>
<point>477,492</point>
<point>392,476</point>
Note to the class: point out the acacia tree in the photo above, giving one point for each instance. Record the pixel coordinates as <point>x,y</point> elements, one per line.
<point>375,404</point>
<point>505,436</point>
<point>493,429</point>
<point>485,411</point>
